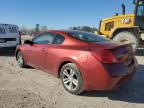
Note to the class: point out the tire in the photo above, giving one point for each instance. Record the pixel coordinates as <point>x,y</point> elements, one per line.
<point>71,79</point>
<point>20,59</point>
<point>129,36</point>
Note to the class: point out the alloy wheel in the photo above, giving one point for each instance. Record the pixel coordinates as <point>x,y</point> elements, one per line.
<point>70,79</point>
<point>20,59</point>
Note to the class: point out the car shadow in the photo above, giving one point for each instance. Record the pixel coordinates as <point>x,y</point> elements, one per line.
<point>7,53</point>
<point>132,91</point>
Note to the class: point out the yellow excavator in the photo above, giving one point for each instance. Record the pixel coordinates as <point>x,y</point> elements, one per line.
<point>126,28</point>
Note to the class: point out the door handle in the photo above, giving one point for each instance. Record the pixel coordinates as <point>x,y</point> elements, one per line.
<point>44,50</point>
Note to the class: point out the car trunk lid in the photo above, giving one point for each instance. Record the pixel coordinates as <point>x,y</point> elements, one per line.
<point>123,52</point>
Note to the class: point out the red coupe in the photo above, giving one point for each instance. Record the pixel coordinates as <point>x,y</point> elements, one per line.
<point>83,61</point>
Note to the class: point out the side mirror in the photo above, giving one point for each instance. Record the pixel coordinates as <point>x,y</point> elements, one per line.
<point>28,42</point>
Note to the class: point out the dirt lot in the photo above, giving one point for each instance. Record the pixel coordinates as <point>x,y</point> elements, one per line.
<point>30,88</point>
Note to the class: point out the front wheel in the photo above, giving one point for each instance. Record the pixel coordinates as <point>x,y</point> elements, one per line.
<point>127,37</point>
<point>20,59</point>
<point>71,78</point>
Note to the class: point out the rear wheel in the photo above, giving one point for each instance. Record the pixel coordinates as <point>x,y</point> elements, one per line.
<point>71,78</point>
<point>127,37</point>
<point>20,59</point>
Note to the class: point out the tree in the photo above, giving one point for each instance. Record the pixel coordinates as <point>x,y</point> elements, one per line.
<point>23,30</point>
<point>43,28</point>
<point>37,28</point>
<point>27,31</point>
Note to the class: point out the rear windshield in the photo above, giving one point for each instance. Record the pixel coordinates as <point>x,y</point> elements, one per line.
<point>88,37</point>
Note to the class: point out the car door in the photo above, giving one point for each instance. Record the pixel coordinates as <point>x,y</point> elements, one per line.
<point>53,54</point>
<point>38,51</point>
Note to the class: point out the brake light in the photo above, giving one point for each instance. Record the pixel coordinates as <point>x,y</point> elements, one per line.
<point>106,56</point>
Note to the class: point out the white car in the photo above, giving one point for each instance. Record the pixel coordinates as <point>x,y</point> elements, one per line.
<point>9,36</point>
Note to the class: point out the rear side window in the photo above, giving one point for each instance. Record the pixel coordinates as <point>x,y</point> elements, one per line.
<point>88,37</point>
<point>58,39</point>
<point>2,30</point>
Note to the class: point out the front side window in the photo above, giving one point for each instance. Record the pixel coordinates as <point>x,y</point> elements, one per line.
<point>45,38</point>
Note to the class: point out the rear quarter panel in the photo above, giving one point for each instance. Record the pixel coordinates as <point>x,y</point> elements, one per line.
<point>65,53</point>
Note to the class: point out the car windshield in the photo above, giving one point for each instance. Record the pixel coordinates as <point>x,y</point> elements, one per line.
<point>88,37</point>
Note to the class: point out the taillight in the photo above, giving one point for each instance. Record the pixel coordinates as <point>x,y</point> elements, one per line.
<point>106,56</point>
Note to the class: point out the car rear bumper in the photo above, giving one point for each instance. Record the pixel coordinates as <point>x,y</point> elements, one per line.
<point>98,77</point>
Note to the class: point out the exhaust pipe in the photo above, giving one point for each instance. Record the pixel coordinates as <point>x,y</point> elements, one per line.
<point>123,9</point>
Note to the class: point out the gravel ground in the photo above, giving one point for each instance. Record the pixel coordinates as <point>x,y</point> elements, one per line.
<point>31,88</point>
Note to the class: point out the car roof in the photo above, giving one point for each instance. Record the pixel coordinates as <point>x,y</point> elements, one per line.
<point>66,31</point>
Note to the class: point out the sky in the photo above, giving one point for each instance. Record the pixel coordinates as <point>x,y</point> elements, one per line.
<point>60,14</point>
